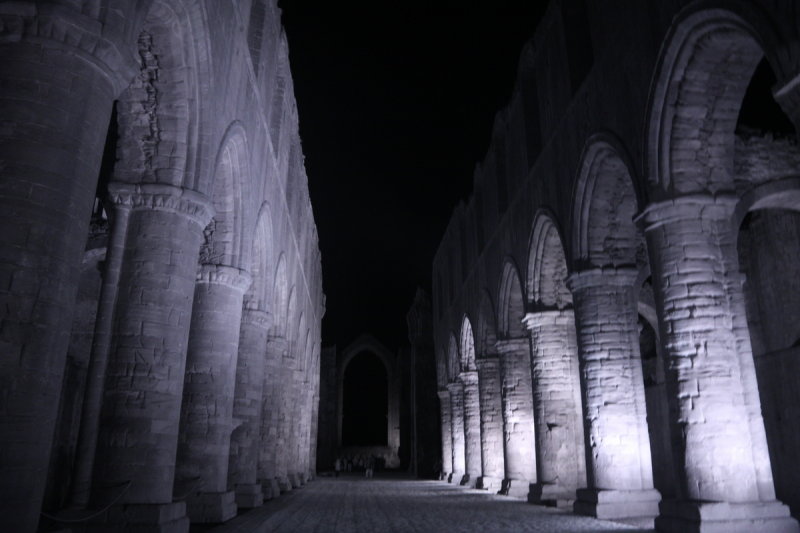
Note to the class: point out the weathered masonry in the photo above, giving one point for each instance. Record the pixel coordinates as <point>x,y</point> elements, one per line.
<point>160,281</point>
<point>616,305</point>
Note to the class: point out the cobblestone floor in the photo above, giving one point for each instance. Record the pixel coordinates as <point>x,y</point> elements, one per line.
<point>357,505</point>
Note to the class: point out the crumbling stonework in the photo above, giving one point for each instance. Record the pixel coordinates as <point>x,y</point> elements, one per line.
<point>645,214</point>
<point>155,386</point>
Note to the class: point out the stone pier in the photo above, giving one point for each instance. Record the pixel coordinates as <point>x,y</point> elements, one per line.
<point>493,465</point>
<point>619,468</point>
<point>518,426</point>
<point>472,428</point>
<point>248,396</point>
<point>457,430</point>
<point>726,480</point>
<point>557,404</point>
<point>447,435</point>
<point>270,405</point>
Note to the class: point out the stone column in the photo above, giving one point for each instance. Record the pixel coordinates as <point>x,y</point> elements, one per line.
<point>284,394</point>
<point>518,429</point>
<point>248,396</point>
<point>472,428</point>
<point>208,390</point>
<point>725,479</point>
<point>561,464</point>
<point>270,407</point>
<point>298,421</point>
<point>447,435</point>
<point>457,430</point>
<point>138,437</point>
<point>493,464</point>
<point>619,468</point>
<point>55,101</point>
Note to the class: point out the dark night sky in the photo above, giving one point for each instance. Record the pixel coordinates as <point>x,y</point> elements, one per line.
<point>396,104</point>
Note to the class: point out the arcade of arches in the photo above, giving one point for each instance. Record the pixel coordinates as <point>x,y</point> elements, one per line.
<point>616,305</point>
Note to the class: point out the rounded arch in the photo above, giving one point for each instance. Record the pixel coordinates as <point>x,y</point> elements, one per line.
<point>606,201</point>
<point>510,303</point>
<point>467,346</point>
<point>258,295</point>
<point>486,337</point>
<point>223,235</point>
<point>705,66</point>
<point>547,265</point>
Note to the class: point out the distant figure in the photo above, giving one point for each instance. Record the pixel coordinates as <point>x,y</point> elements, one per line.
<point>337,466</point>
<point>370,467</point>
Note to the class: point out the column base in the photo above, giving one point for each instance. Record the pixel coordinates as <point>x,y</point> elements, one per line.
<point>301,478</point>
<point>492,484</point>
<point>284,485</point>
<point>725,517</point>
<point>551,495</point>
<point>468,480</point>
<point>211,507</point>
<point>637,506</point>
<point>294,479</point>
<point>155,517</point>
<point>249,496</point>
<point>444,476</point>
<point>516,488</point>
<point>456,477</point>
<point>270,488</point>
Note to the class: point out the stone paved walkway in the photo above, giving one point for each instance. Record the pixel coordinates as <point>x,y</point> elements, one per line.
<point>391,505</point>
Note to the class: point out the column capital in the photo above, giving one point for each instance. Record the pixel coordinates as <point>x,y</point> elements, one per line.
<point>602,277</point>
<point>487,361</point>
<point>469,377</point>
<point>687,207</point>
<point>513,345</point>
<point>232,277</point>
<point>444,395</point>
<point>257,317</point>
<point>548,318</point>
<point>163,197</point>
<point>455,387</point>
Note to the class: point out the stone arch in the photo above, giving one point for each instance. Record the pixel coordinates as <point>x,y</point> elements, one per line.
<point>290,314</point>
<point>704,70</point>
<point>223,235</point>
<point>297,341</point>
<point>547,266</point>
<point>280,298</point>
<point>606,200</point>
<point>259,293</point>
<point>467,346</point>
<point>487,328</point>
<point>158,114</point>
<point>510,308</point>
<point>453,366</point>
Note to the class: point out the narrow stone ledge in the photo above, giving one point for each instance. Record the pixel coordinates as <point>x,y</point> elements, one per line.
<point>231,277</point>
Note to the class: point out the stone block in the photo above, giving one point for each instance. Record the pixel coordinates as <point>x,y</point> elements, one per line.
<point>725,517</point>
<point>249,496</point>
<point>211,507</point>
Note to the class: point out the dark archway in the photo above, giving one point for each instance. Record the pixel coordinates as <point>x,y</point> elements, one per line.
<point>365,396</point>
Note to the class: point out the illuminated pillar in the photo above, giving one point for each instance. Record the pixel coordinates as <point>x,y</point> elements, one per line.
<point>447,435</point>
<point>283,453</point>
<point>557,404</point>
<point>248,396</point>
<point>208,391</point>
<point>138,438</point>
<point>619,468</point>
<point>518,428</point>
<point>270,407</point>
<point>493,466</point>
<point>457,424</point>
<point>472,427</point>
<point>725,482</point>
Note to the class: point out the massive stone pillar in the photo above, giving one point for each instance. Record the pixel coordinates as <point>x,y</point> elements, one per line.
<point>208,391</point>
<point>518,426</point>
<point>270,407</point>
<point>248,397</point>
<point>457,430</point>
<point>285,391</point>
<point>491,407</point>
<point>299,419</point>
<point>557,404</point>
<point>472,428</point>
<point>55,101</point>
<point>138,439</point>
<point>619,468</point>
<point>447,434</point>
<point>725,478</point>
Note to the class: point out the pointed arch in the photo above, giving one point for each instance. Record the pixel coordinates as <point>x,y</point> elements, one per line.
<point>510,306</point>
<point>467,347</point>
<point>704,69</point>
<point>259,293</point>
<point>606,200</point>
<point>487,327</point>
<point>547,266</point>
<point>453,366</point>
<point>280,298</point>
